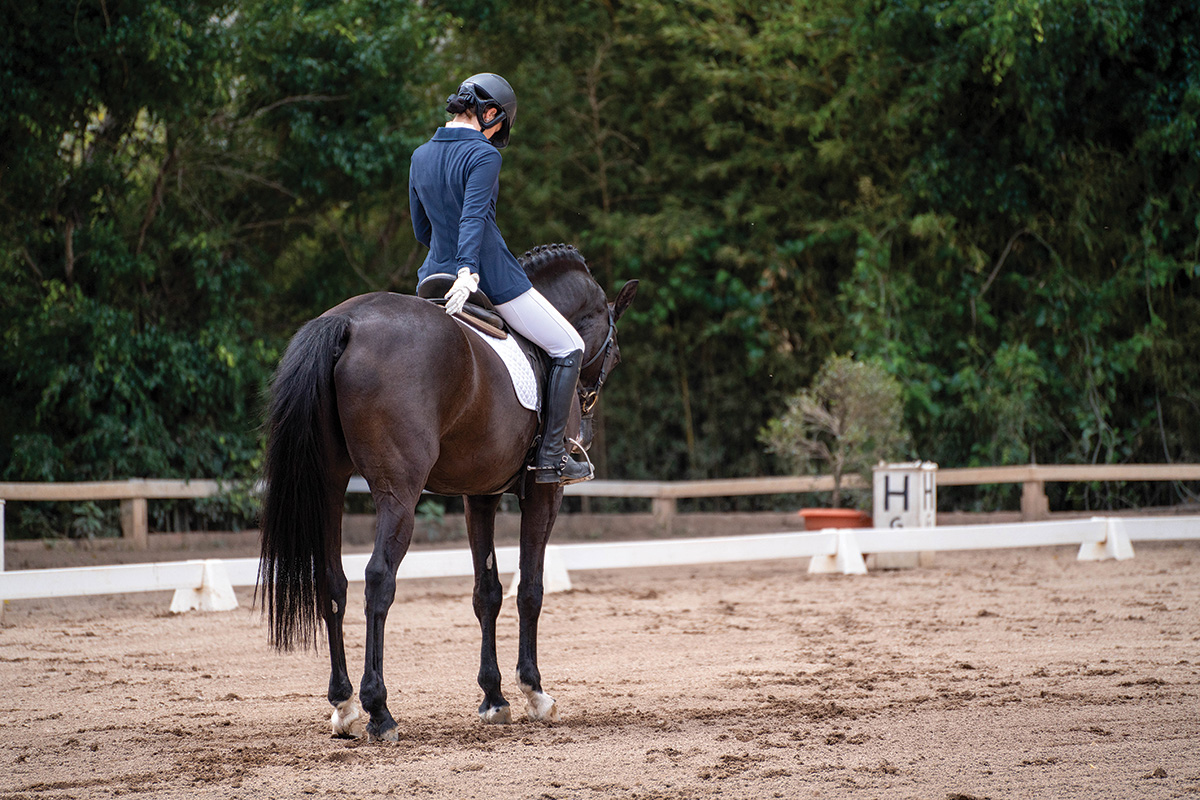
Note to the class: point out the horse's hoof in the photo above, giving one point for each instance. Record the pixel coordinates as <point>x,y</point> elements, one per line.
<point>546,710</point>
<point>542,707</point>
<point>496,715</point>
<point>347,720</point>
<point>382,728</point>
<point>392,734</point>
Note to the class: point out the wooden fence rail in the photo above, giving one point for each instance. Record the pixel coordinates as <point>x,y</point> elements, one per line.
<point>133,494</point>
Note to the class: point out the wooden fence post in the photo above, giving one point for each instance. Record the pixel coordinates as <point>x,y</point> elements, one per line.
<point>1034,503</point>
<point>135,524</point>
<point>663,509</point>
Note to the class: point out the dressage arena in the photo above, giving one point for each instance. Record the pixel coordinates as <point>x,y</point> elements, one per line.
<point>1004,674</point>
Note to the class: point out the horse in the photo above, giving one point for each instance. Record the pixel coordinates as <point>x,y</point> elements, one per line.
<point>390,386</point>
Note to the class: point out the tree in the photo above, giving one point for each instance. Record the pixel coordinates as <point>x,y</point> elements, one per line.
<point>172,175</point>
<point>972,191</point>
<point>994,199</point>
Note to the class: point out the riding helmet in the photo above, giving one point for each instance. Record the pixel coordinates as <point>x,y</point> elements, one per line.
<point>489,90</point>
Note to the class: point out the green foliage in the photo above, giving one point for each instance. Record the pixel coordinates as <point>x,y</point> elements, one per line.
<point>996,200</point>
<point>1049,249</point>
<point>846,422</point>
<point>164,169</point>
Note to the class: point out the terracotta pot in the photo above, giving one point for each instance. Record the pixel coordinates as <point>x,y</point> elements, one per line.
<point>816,519</point>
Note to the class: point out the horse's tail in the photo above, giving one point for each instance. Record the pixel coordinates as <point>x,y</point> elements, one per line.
<point>302,433</point>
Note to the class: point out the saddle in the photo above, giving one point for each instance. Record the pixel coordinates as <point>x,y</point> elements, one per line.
<point>478,310</point>
<point>481,314</point>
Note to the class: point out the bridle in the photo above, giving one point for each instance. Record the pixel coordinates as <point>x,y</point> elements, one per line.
<point>588,395</point>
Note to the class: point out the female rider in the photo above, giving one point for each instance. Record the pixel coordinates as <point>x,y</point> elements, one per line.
<point>453,185</point>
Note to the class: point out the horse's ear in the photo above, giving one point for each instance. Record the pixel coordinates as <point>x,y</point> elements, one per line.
<point>624,299</point>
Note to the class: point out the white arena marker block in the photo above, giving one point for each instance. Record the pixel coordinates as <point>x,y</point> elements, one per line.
<point>848,559</point>
<point>1116,544</point>
<point>555,577</point>
<point>215,593</point>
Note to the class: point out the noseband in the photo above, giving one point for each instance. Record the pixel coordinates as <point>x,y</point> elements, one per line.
<point>589,395</point>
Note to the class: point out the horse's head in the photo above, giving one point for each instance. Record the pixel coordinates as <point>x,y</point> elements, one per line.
<point>600,360</point>
<point>561,274</point>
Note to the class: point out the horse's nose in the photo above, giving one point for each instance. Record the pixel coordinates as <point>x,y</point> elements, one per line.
<point>586,432</point>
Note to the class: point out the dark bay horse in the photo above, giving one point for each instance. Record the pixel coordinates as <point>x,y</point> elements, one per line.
<point>391,387</point>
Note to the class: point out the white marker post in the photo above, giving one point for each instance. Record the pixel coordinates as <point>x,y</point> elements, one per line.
<point>905,497</point>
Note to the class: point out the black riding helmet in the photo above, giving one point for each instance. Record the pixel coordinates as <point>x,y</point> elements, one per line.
<point>488,90</point>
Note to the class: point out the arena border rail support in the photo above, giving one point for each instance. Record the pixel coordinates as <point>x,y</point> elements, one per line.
<point>215,592</point>
<point>555,577</point>
<point>1116,544</point>
<point>847,559</point>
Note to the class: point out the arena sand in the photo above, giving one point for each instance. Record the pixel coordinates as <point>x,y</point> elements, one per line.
<point>998,674</point>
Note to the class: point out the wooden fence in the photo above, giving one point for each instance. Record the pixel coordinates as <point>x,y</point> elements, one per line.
<point>134,494</point>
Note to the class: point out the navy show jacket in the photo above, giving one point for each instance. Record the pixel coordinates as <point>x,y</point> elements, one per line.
<point>453,184</point>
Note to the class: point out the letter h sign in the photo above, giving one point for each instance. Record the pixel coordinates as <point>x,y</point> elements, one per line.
<point>906,495</point>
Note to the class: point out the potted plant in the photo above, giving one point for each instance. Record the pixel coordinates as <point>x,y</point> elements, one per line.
<point>849,419</point>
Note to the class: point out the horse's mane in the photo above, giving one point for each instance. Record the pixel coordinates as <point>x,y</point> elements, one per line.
<point>551,259</point>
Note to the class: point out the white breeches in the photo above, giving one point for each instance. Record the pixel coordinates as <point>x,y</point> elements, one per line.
<point>532,316</point>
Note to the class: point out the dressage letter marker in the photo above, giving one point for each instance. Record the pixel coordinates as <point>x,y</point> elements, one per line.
<point>905,497</point>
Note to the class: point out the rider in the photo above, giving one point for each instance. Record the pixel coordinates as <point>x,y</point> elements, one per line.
<point>453,185</point>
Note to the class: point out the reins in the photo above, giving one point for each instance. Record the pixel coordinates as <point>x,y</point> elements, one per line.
<point>589,395</point>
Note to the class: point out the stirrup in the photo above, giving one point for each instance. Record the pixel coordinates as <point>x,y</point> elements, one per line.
<point>555,474</point>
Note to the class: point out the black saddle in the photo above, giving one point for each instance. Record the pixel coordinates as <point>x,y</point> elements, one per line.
<point>480,312</point>
<point>478,306</point>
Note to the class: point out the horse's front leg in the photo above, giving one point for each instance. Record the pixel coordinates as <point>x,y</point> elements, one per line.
<point>393,534</point>
<point>539,510</point>
<point>488,595</point>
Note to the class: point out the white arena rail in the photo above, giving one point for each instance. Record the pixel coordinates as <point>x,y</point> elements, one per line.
<point>202,585</point>
<point>208,584</point>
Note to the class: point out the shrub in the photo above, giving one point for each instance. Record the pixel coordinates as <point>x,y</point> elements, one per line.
<point>848,420</point>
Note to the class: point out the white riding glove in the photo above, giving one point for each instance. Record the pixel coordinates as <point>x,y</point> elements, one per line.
<point>466,283</point>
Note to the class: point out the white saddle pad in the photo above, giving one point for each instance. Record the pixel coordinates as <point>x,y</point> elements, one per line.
<point>523,380</point>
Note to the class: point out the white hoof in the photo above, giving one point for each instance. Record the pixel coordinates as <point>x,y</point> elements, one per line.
<point>497,716</point>
<point>347,720</point>
<point>541,705</point>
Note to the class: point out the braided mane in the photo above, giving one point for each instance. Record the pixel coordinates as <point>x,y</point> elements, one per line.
<point>561,274</point>
<point>552,258</point>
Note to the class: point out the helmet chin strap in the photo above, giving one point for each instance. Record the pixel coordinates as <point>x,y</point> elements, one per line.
<point>496,120</point>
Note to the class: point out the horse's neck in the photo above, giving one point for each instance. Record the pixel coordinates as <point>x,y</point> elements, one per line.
<point>574,294</point>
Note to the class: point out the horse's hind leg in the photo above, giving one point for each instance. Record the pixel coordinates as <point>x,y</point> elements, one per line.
<point>488,595</point>
<point>539,510</point>
<point>393,534</point>
<point>346,720</point>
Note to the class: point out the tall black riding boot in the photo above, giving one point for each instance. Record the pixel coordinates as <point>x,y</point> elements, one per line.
<point>553,464</point>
